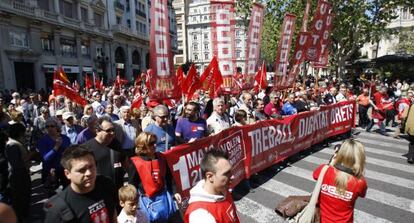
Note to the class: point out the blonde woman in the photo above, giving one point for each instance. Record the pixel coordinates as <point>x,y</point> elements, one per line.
<point>343,183</point>
<point>149,174</point>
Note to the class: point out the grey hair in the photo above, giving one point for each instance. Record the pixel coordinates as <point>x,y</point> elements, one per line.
<point>157,110</point>
<point>218,101</point>
<point>125,108</point>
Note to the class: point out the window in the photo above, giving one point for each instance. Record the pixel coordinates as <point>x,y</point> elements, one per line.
<point>84,14</point>
<point>195,37</point>
<point>67,9</point>
<point>47,43</point>
<point>237,33</point>
<point>205,9</point>
<point>205,35</point>
<point>238,54</point>
<point>85,48</point>
<point>118,20</point>
<point>206,46</point>
<point>194,18</point>
<point>205,17</point>
<point>195,57</point>
<point>68,47</point>
<point>195,46</point>
<point>206,56</point>
<point>19,39</point>
<point>43,4</point>
<point>129,23</point>
<point>98,19</point>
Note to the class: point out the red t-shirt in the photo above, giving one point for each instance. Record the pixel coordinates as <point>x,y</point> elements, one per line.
<point>334,207</point>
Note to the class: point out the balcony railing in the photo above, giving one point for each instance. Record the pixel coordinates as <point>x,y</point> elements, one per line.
<point>23,7</point>
<point>71,21</point>
<point>140,13</point>
<point>119,5</point>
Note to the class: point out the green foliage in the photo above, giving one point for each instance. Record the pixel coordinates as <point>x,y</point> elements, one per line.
<point>356,22</point>
<point>406,42</point>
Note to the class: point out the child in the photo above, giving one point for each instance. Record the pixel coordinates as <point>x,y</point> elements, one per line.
<point>128,199</point>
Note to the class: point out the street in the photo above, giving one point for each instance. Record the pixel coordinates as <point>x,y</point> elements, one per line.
<point>390,195</point>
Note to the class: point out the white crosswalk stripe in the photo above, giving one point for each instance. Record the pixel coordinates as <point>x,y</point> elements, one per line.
<point>387,167</point>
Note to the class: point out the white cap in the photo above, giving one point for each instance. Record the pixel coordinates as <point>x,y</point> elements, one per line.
<point>67,115</point>
<point>15,94</point>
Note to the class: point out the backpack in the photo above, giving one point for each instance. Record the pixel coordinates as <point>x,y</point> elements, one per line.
<point>58,203</point>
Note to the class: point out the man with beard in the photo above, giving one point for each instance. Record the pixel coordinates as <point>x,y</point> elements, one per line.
<point>218,120</point>
<point>190,127</point>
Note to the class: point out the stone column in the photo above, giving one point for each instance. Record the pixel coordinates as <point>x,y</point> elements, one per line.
<point>133,16</point>
<point>56,41</point>
<point>128,62</point>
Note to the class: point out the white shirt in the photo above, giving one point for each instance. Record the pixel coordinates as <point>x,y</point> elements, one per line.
<point>217,123</point>
<point>139,217</point>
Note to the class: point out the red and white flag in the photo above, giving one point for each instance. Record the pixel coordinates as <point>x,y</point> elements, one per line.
<point>282,56</point>
<point>261,78</point>
<point>88,83</point>
<point>211,79</point>
<point>164,79</point>
<point>253,44</point>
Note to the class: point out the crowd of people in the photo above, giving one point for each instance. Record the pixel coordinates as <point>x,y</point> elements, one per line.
<point>89,150</point>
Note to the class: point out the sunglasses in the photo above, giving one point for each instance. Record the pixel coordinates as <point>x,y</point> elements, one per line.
<point>111,130</point>
<point>163,117</point>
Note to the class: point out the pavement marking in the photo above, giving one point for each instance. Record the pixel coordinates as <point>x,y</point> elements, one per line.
<point>390,179</point>
<point>391,165</point>
<point>384,144</point>
<point>285,190</point>
<point>373,194</point>
<point>383,138</point>
<point>380,151</point>
<point>258,212</point>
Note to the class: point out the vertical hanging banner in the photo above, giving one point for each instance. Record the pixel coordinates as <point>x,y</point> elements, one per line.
<point>164,79</point>
<point>222,32</point>
<point>322,21</point>
<point>325,44</point>
<point>253,44</point>
<point>282,56</point>
<point>303,40</point>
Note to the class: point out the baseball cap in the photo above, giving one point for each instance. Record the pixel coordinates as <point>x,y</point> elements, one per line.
<point>67,115</point>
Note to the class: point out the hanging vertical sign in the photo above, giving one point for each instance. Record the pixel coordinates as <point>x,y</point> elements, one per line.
<point>253,44</point>
<point>322,21</point>
<point>282,56</point>
<point>302,42</point>
<point>222,30</point>
<point>164,79</point>
<point>325,44</point>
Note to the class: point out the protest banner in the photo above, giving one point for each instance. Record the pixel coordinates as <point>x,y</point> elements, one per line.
<point>252,148</point>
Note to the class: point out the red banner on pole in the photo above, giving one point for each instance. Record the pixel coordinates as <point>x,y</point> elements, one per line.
<point>321,21</point>
<point>164,79</point>
<point>282,56</point>
<point>253,44</point>
<point>222,31</point>
<point>252,148</point>
<point>303,40</point>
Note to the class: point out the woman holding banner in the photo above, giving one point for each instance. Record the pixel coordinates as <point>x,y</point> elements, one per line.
<point>148,172</point>
<point>343,183</point>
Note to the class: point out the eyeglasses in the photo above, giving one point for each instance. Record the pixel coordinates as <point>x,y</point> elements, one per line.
<point>162,117</point>
<point>111,130</point>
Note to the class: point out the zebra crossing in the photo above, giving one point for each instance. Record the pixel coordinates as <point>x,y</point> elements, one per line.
<point>390,195</point>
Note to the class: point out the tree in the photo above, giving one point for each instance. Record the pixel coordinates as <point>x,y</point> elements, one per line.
<point>356,22</point>
<point>406,42</point>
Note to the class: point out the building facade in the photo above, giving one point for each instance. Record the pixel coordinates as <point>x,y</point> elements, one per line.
<point>108,37</point>
<point>200,49</point>
<point>387,45</point>
<point>181,13</point>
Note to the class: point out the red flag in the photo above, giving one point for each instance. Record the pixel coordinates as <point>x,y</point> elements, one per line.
<point>137,102</point>
<point>211,79</point>
<point>191,79</point>
<point>102,84</point>
<point>119,81</point>
<point>88,83</point>
<point>96,81</point>
<point>61,87</point>
<point>149,83</point>
<point>180,77</point>
<point>260,78</point>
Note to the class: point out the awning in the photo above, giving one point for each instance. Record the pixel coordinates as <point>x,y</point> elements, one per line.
<point>50,68</point>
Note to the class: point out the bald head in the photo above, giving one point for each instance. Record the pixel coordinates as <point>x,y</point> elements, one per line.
<point>7,214</point>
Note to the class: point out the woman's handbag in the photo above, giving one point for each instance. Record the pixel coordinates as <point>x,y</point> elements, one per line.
<point>158,208</point>
<point>292,205</point>
<point>307,215</point>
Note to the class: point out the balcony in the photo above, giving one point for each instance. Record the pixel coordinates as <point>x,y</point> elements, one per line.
<point>140,13</point>
<point>119,6</point>
<point>23,7</point>
<point>70,21</point>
